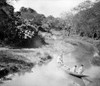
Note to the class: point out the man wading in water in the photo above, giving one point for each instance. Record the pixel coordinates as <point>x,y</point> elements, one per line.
<point>60,60</point>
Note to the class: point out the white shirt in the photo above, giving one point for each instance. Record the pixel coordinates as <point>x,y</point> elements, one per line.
<point>73,69</point>
<point>80,70</point>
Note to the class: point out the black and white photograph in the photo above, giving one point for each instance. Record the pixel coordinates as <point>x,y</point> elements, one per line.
<point>49,42</point>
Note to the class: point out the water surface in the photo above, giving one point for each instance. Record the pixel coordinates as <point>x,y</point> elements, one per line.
<point>52,75</point>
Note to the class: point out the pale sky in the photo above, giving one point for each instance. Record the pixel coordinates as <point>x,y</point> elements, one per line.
<point>48,7</point>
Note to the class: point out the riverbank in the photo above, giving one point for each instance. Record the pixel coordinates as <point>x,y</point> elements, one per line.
<point>22,61</point>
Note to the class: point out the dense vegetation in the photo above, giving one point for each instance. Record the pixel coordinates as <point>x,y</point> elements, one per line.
<point>20,28</point>
<point>87,21</point>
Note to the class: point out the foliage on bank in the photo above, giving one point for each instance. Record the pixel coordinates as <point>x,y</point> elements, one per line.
<point>21,27</point>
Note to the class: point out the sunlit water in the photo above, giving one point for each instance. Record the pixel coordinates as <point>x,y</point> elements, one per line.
<point>52,75</point>
<point>46,75</point>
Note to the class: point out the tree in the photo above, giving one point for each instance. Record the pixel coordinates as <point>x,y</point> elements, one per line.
<point>87,22</point>
<point>83,6</point>
<point>23,9</point>
<point>31,10</point>
<point>6,20</point>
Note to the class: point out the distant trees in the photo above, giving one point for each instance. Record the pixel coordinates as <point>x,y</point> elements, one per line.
<point>47,23</point>
<point>54,23</point>
<point>31,15</point>
<point>67,18</point>
<point>83,6</point>
<point>87,21</point>
<point>27,10</point>
<point>84,20</point>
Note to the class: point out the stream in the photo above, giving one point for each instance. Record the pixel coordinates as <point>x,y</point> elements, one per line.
<point>53,75</point>
<point>46,75</point>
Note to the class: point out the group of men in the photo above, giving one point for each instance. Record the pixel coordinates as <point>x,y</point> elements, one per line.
<point>75,69</point>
